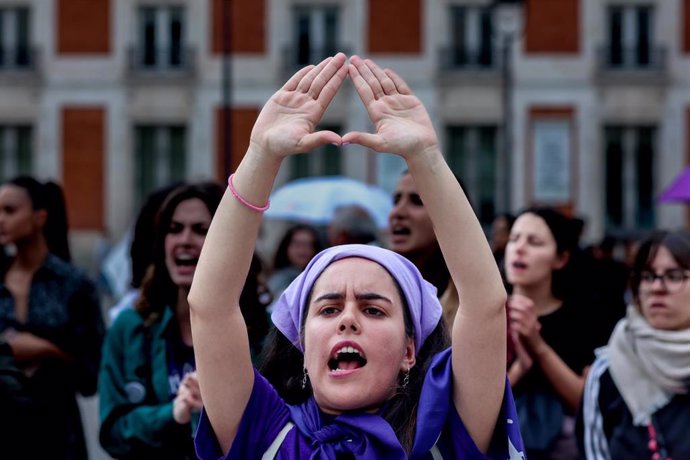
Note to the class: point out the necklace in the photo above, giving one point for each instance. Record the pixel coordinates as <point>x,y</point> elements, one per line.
<point>656,443</point>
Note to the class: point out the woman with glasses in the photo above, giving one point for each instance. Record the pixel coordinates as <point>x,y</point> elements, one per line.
<point>636,401</point>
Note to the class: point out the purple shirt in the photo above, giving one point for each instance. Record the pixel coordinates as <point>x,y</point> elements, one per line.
<point>439,427</point>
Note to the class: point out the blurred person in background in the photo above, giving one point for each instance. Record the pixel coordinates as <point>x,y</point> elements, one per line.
<point>141,247</point>
<point>411,234</point>
<point>553,335</point>
<point>636,401</point>
<point>149,394</point>
<point>352,225</point>
<point>300,243</point>
<point>49,316</point>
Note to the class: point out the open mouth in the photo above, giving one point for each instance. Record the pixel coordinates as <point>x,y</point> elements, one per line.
<point>520,265</point>
<point>186,260</point>
<point>346,358</point>
<point>400,230</point>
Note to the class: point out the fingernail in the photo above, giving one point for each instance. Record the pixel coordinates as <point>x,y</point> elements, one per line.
<point>346,143</point>
<point>335,143</point>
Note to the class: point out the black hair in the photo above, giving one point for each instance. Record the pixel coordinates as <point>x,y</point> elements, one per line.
<point>564,234</point>
<point>677,243</point>
<point>282,364</point>
<point>49,196</point>
<point>158,289</point>
<point>433,266</point>
<point>281,259</point>
<point>141,249</point>
<point>254,299</point>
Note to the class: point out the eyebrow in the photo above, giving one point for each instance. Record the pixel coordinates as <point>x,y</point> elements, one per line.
<point>364,296</point>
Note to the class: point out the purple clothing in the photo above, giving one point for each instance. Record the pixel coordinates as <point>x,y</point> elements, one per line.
<point>362,436</point>
<point>422,302</point>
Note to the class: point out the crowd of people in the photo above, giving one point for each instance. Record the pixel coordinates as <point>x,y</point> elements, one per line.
<point>426,340</point>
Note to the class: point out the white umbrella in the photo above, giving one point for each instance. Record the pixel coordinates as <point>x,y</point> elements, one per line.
<point>315,199</point>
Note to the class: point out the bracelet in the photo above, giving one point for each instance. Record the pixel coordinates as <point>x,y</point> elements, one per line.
<point>246,203</point>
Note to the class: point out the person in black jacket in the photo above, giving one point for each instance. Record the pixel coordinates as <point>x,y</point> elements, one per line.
<point>49,316</point>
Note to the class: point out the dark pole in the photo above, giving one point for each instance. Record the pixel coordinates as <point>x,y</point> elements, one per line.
<point>507,81</point>
<point>226,11</point>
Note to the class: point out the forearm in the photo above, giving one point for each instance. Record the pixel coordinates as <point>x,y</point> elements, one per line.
<point>221,345</point>
<point>568,384</point>
<point>462,240</point>
<point>479,329</point>
<point>30,348</point>
<point>232,237</point>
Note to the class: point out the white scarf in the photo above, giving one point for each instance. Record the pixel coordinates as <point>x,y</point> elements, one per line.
<point>649,366</point>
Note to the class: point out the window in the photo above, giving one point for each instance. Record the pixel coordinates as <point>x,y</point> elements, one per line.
<point>629,177</point>
<point>14,38</point>
<point>15,151</point>
<point>325,161</point>
<point>630,43</point>
<point>160,157</point>
<point>473,157</point>
<point>161,37</point>
<point>316,34</point>
<point>471,38</point>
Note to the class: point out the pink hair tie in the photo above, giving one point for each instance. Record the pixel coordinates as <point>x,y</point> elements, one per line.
<point>246,203</point>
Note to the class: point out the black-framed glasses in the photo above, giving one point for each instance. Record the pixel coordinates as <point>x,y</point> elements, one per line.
<point>672,279</point>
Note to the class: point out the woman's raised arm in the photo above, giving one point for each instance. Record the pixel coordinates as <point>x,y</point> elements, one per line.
<point>403,127</point>
<point>285,126</point>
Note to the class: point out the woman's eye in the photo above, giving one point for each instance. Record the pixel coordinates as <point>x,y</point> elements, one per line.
<point>201,230</point>
<point>328,311</point>
<point>373,311</point>
<point>174,228</point>
<point>416,200</point>
<point>675,275</point>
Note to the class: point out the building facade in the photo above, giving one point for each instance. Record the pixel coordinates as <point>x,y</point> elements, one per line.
<point>582,104</point>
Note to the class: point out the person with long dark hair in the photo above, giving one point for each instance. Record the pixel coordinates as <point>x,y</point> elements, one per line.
<point>49,315</point>
<point>141,247</point>
<point>149,395</point>
<point>360,367</point>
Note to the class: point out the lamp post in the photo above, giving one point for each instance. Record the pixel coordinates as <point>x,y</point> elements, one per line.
<point>507,24</point>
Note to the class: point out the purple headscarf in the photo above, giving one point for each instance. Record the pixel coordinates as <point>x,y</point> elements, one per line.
<point>424,307</point>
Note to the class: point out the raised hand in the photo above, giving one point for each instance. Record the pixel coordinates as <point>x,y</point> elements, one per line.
<point>287,122</point>
<point>402,123</point>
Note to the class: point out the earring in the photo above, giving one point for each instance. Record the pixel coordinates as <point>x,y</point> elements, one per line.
<point>406,380</point>
<point>305,377</point>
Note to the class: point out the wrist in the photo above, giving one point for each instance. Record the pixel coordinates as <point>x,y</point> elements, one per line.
<point>262,155</point>
<point>427,157</point>
<point>540,349</point>
<point>260,158</point>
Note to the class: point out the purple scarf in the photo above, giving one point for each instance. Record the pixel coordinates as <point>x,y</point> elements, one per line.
<point>425,309</point>
<point>366,436</point>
